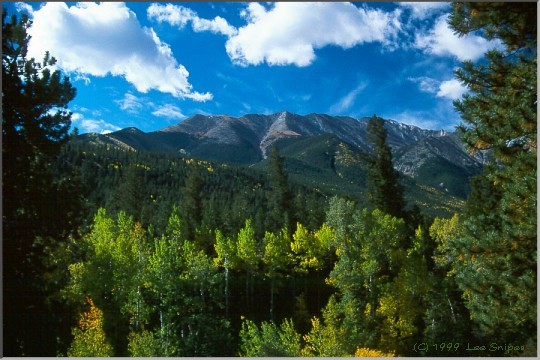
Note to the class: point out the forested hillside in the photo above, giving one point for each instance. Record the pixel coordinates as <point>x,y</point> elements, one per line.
<point>108,251</point>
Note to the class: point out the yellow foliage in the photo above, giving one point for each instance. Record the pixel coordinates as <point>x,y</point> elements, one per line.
<point>89,338</point>
<point>441,230</point>
<point>366,352</point>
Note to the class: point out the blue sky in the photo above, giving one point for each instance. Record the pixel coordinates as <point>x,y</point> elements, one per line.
<point>150,65</point>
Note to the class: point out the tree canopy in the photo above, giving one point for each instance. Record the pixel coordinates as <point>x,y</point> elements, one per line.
<point>35,213</point>
<point>495,256</point>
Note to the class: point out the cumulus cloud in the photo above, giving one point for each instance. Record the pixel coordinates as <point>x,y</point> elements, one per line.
<point>177,15</point>
<point>169,111</point>
<point>106,38</point>
<point>423,10</point>
<point>451,89</point>
<point>442,41</point>
<point>347,101</point>
<point>23,7</point>
<point>289,32</point>
<point>92,125</point>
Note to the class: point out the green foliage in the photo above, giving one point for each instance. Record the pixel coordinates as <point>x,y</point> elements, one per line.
<point>143,344</point>
<point>280,213</point>
<point>276,257</point>
<point>248,251</point>
<point>164,266</point>
<point>383,190</point>
<point>40,208</point>
<point>331,338</point>
<point>169,283</point>
<point>113,273</point>
<point>226,250</point>
<point>402,306</point>
<point>446,318</point>
<point>193,202</point>
<point>276,252</point>
<point>270,340</point>
<point>131,193</point>
<point>495,256</point>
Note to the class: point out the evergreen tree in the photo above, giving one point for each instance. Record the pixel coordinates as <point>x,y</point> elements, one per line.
<point>495,258</point>
<point>193,202</point>
<point>35,124</point>
<point>131,194</point>
<point>280,202</point>
<point>371,252</point>
<point>384,191</point>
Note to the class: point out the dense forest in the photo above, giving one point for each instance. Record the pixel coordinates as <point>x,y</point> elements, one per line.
<point>111,252</point>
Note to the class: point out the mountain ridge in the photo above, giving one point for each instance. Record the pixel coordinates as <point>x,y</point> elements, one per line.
<point>269,128</point>
<point>432,157</point>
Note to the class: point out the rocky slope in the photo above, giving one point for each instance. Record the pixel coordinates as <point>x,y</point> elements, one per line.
<point>434,158</point>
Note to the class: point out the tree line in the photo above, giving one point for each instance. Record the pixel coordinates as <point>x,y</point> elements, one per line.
<point>364,279</point>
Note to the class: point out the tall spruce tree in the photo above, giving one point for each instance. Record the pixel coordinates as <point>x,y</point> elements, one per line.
<point>35,124</point>
<point>384,191</point>
<point>193,202</point>
<point>131,193</point>
<point>496,255</point>
<point>280,202</point>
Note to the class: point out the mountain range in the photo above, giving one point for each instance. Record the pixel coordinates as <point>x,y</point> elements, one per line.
<point>328,148</point>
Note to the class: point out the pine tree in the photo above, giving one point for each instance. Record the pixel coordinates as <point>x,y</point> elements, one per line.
<point>131,193</point>
<point>280,202</point>
<point>193,202</point>
<point>496,256</point>
<point>35,124</point>
<point>384,191</point>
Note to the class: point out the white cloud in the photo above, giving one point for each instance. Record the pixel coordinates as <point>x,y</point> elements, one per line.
<point>423,10</point>
<point>106,38</point>
<point>442,41</point>
<point>426,84</point>
<point>451,89</point>
<point>130,103</point>
<point>23,7</point>
<point>347,101</point>
<point>169,111</point>
<point>179,16</point>
<point>218,25</point>
<point>172,14</point>
<point>92,125</point>
<point>289,32</point>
